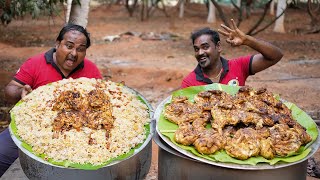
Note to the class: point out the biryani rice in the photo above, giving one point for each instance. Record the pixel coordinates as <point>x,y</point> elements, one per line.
<point>34,118</point>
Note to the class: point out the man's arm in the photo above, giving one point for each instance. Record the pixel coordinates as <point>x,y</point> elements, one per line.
<point>269,54</point>
<point>14,91</point>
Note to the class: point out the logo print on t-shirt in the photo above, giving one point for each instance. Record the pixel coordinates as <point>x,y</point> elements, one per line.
<point>233,82</point>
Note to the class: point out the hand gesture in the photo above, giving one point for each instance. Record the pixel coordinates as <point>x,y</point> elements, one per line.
<point>235,37</point>
<point>25,90</point>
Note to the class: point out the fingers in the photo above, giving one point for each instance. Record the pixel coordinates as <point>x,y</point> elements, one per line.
<point>226,28</point>
<point>233,24</point>
<point>26,90</point>
<point>223,32</point>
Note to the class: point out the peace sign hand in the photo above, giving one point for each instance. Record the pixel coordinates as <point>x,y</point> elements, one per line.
<point>235,36</point>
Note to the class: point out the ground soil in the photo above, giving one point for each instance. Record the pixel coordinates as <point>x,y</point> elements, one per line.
<point>155,67</point>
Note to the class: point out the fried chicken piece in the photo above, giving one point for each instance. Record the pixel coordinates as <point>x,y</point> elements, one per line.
<point>201,123</point>
<point>207,99</point>
<point>244,144</point>
<point>185,134</point>
<point>99,119</point>
<point>180,110</point>
<point>229,131</point>
<point>67,120</point>
<point>97,98</point>
<point>248,118</point>
<point>222,117</point>
<point>69,100</point>
<point>209,141</point>
<point>203,99</point>
<point>285,139</point>
<point>304,136</point>
<point>266,148</point>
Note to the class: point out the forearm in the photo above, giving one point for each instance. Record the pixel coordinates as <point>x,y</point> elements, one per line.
<point>268,51</point>
<point>13,93</point>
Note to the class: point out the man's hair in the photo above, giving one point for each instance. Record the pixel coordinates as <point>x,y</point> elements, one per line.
<point>214,34</point>
<point>71,27</point>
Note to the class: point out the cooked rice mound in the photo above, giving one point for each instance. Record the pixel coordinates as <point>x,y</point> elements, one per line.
<point>35,116</point>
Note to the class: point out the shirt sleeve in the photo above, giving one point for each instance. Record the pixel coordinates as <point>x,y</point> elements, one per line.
<point>244,63</point>
<point>24,75</point>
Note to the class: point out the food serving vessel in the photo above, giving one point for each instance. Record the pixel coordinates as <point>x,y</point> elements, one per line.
<point>136,166</point>
<point>182,164</point>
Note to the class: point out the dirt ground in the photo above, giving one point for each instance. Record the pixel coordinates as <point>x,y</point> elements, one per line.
<point>155,67</point>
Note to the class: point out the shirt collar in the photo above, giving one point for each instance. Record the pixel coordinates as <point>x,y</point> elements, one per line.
<point>200,75</point>
<point>49,59</point>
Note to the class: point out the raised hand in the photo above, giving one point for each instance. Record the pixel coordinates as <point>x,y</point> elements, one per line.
<point>235,36</point>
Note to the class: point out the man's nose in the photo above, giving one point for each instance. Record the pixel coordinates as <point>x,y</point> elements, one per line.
<point>201,51</point>
<point>74,52</point>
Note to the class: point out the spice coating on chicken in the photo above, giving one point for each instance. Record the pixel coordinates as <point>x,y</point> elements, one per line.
<point>91,110</point>
<point>244,144</point>
<point>180,110</point>
<point>285,139</point>
<point>251,123</point>
<point>186,134</point>
<point>209,141</point>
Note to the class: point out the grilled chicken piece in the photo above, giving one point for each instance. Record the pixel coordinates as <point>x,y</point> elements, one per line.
<point>207,99</point>
<point>185,134</point>
<point>69,100</point>
<point>67,120</point>
<point>304,136</point>
<point>209,141</point>
<point>244,144</point>
<point>222,117</point>
<point>98,99</point>
<point>180,110</point>
<point>285,139</point>
<point>267,149</point>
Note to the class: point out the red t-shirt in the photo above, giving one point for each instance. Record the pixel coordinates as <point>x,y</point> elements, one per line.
<point>235,72</point>
<point>41,70</point>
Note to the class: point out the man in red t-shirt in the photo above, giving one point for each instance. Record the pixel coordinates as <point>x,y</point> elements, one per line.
<point>66,60</point>
<point>213,68</point>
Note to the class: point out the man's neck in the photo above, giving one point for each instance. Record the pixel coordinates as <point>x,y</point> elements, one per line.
<point>213,70</point>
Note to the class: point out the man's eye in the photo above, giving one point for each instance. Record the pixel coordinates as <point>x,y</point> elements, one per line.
<point>81,49</point>
<point>206,47</point>
<point>69,46</point>
<point>196,49</point>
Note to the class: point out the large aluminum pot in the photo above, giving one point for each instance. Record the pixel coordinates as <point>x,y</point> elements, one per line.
<point>135,167</point>
<point>174,163</point>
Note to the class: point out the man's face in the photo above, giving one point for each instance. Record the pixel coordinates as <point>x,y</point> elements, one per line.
<point>70,51</point>
<point>206,52</point>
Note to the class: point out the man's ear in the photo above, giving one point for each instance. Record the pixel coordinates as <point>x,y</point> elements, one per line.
<point>57,44</point>
<point>218,45</point>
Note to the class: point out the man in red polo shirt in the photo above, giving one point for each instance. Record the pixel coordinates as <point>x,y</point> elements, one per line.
<point>212,68</point>
<point>66,60</point>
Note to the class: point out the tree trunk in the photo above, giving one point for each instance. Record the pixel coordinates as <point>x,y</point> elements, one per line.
<point>79,13</point>
<point>212,13</point>
<point>181,8</point>
<point>279,25</point>
<point>272,8</point>
<point>69,4</point>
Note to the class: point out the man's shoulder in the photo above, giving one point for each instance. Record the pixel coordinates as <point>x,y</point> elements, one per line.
<point>36,59</point>
<point>239,59</point>
<point>191,75</point>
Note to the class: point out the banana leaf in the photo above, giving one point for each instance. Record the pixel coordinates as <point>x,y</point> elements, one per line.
<point>86,166</point>
<point>168,128</point>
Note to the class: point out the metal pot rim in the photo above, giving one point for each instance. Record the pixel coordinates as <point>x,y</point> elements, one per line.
<point>260,166</point>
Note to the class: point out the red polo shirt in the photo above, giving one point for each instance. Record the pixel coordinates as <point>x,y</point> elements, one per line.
<point>235,72</point>
<point>41,70</point>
